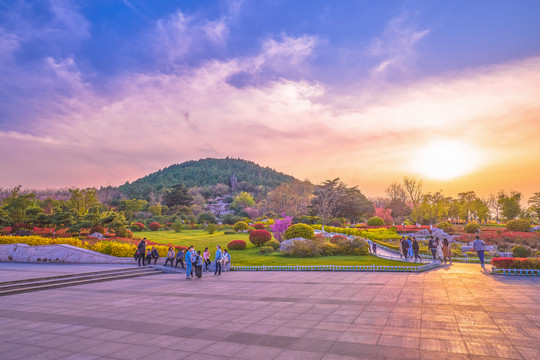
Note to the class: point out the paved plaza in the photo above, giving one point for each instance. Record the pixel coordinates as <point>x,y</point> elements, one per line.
<point>454,312</point>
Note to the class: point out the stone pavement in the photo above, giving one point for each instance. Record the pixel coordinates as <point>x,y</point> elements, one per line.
<point>21,271</point>
<point>453,312</point>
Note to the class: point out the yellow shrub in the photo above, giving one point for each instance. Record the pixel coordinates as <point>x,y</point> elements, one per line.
<point>38,240</point>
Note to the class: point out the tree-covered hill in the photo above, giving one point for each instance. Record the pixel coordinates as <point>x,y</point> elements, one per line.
<point>206,172</point>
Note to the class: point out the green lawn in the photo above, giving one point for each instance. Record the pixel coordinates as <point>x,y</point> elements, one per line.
<point>250,256</point>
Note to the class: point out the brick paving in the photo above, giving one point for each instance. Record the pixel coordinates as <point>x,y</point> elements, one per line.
<point>453,312</point>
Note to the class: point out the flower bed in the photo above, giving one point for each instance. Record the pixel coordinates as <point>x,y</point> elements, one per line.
<point>516,263</point>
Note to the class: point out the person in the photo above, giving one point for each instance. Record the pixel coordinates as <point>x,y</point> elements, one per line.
<point>401,247</point>
<point>193,260</point>
<point>187,259</point>
<point>405,248</point>
<point>416,249</point>
<point>217,259</point>
<point>206,258</point>
<point>180,259</point>
<point>155,254</point>
<point>439,249</point>
<point>170,256</point>
<point>374,247</point>
<point>141,249</point>
<point>409,244</point>
<point>433,247</point>
<point>226,258</point>
<point>198,264</point>
<point>148,256</point>
<point>446,251</point>
<point>478,246</point>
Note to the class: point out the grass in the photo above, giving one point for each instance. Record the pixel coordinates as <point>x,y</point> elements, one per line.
<point>250,256</point>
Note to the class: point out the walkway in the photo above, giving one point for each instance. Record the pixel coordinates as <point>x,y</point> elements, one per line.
<point>455,312</point>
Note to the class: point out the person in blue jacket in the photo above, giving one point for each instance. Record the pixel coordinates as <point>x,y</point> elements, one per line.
<point>218,260</point>
<point>187,259</point>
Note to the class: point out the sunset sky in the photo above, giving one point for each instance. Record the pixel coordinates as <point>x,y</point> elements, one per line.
<point>101,92</point>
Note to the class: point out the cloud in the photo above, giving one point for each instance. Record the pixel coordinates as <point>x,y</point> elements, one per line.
<point>69,20</point>
<point>395,48</point>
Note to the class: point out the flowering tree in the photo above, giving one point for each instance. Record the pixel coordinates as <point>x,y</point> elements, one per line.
<point>279,227</point>
<point>385,214</point>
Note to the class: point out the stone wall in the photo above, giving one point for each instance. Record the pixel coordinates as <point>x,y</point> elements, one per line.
<point>56,254</point>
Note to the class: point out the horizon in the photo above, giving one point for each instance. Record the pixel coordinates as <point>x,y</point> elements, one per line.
<point>105,93</point>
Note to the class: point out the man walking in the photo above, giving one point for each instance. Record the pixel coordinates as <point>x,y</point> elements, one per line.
<point>478,246</point>
<point>141,248</point>
<point>218,261</point>
<point>433,247</point>
<point>415,249</point>
<point>187,259</point>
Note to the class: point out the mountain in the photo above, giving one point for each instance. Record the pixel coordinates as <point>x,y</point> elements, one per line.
<point>206,172</point>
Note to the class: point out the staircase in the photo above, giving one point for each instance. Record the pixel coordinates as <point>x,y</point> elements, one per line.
<point>52,282</point>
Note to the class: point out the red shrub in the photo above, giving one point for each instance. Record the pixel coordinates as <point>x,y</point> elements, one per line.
<point>336,239</point>
<point>137,226</point>
<point>97,229</point>
<point>516,263</point>
<point>236,245</point>
<point>258,226</point>
<point>20,226</point>
<point>319,237</point>
<point>154,226</point>
<point>259,237</point>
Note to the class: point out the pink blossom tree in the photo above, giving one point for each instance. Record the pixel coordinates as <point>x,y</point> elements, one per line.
<point>279,227</point>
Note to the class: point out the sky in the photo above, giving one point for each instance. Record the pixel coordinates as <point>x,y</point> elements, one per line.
<point>100,92</point>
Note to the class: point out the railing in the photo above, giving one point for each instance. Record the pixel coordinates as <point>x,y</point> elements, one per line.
<point>354,268</point>
<point>525,272</point>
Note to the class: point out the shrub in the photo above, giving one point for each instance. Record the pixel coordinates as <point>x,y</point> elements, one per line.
<point>471,228</point>
<point>97,229</point>
<point>299,230</point>
<point>375,221</point>
<point>236,245</point>
<point>258,226</point>
<point>319,237</point>
<point>302,249</point>
<point>336,239</point>
<point>230,219</point>
<point>446,226</point>
<point>520,251</point>
<point>154,226</point>
<point>206,217</point>
<point>392,229</point>
<point>518,225</point>
<point>240,226</point>
<point>273,243</point>
<point>178,226</point>
<point>137,226</point>
<point>336,223</point>
<point>250,230</point>
<point>328,249</point>
<point>266,250</point>
<point>123,232</point>
<point>537,253</point>
<point>229,232</point>
<point>513,263</point>
<point>259,237</point>
<point>21,226</point>
<point>211,228</point>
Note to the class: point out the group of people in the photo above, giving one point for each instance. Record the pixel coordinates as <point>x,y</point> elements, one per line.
<point>440,250</point>
<point>409,248</point>
<point>144,255</point>
<point>189,259</point>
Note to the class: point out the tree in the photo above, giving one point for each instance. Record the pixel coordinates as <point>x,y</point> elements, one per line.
<point>16,205</point>
<point>82,200</point>
<point>413,187</point>
<point>466,199</point>
<point>396,191</point>
<point>206,217</point>
<point>510,205</point>
<point>494,205</point>
<point>354,205</point>
<point>291,198</point>
<point>432,208</point>
<point>177,196</point>
<point>534,206</point>
<point>327,198</point>
<point>132,206</point>
<point>243,200</point>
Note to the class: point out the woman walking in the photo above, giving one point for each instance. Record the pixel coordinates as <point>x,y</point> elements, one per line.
<point>447,253</point>
<point>440,254</point>
<point>206,257</point>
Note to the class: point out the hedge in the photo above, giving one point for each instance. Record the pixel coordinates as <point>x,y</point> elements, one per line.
<point>516,263</point>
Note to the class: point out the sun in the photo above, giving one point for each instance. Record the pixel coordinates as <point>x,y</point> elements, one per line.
<point>445,160</point>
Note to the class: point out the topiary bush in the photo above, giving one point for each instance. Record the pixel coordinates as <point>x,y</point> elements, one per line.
<point>259,237</point>
<point>336,223</point>
<point>375,221</point>
<point>520,251</point>
<point>273,243</point>
<point>471,228</point>
<point>299,230</point>
<point>237,245</point>
<point>518,225</point>
<point>206,217</point>
<point>178,226</point>
<point>211,228</point>
<point>123,232</point>
<point>302,249</point>
<point>329,249</point>
<point>319,237</point>
<point>137,226</point>
<point>97,229</point>
<point>336,239</point>
<point>258,226</point>
<point>154,226</point>
<point>266,250</point>
<point>446,226</point>
<point>240,226</point>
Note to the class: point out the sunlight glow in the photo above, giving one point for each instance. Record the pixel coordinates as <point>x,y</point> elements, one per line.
<point>446,159</point>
